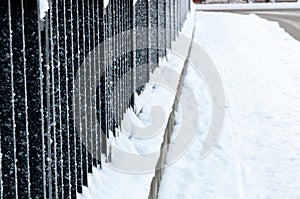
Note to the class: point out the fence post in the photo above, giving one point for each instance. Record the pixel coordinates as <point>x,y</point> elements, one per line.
<point>142,54</point>
<point>153,34</point>
<point>162,28</point>
<point>8,157</point>
<point>34,73</point>
<point>20,101</point>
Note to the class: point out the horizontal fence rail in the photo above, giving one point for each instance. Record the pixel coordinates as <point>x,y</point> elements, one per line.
<point>67,79</point>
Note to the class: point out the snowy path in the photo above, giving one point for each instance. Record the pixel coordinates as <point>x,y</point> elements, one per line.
<point>258,154</point>
<point>286,14</point>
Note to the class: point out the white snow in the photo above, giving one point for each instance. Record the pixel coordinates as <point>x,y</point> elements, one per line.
<point>44,6</point>
<point>258,154</point>
<point>251,6</point>
<point>105,3</point>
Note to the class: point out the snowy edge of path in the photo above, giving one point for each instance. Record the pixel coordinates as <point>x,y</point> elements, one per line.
<point>187,39</point>
<point>251,6</point>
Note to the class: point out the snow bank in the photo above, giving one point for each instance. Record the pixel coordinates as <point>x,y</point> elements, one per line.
<point>44,7</point>
<point>251,6</point>
<point>105,3</point>
<point>258,155</point>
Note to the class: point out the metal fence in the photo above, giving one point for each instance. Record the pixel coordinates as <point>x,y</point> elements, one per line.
<point>58,104</point>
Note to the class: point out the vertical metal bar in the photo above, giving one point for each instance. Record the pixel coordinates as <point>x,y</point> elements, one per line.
<point>162,28</point>
<point>173,16</point>
<point>84,122</point>
<point>64,96</point>
<point>142,44</point>
<point>41,42</point>
<point>78,63</point>
<point>113,64</point>
<point>103,114</point>
<point>131,64</point>
<point>76,99</point>
<point>100,24</point>
<point>147,68</point>
<point>45,47</point>
<point>9,186</point>
<point>124,21</point>
<point>124,58</point>
<point>69,31</point>
<point>109,67</point>
<point>93,84</point>
<point>89,87</point>
<point>118,63</point>
<point>20,101</point>
<point>168,25</point>
<point>1,187</point>
<point>179,14</point>
<point>153,34</point>
<point>109,63</point>
<point>98,57</point>
<point>176,17</point>
<point>122,84</point>
<point>53,121</point>
<point>58,99</point>
<point>34,75</point>
<point>13,100</point>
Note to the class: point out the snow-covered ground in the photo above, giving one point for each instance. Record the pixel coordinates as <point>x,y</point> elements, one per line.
<point>249,6</point>
<point>258,154</point>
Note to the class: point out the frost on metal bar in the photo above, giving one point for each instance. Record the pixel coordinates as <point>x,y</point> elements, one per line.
<point>173,26</point>
<point>89,48</point>
<point>162,28</point>
<point>57,100</point>
<point>153,34</point>
<point>98,71</point>
<point>74,67</point>
<point>93,88</point>
<point>47,107</point>
<point>8,185</point>
<point>20,101</point>
<point>77,46</point>
<point>70,73</point>
<point>80,150</point>
<point>141,54</point>
<point>129,59</point>
<point>168,25</point>
<point>34,74</point>
<point>103,90</point>
<point>64,97</point>
<point>83,93</point>
<point>51,121</point>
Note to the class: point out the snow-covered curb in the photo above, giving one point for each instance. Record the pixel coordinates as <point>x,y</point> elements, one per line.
<point>155,184</point>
